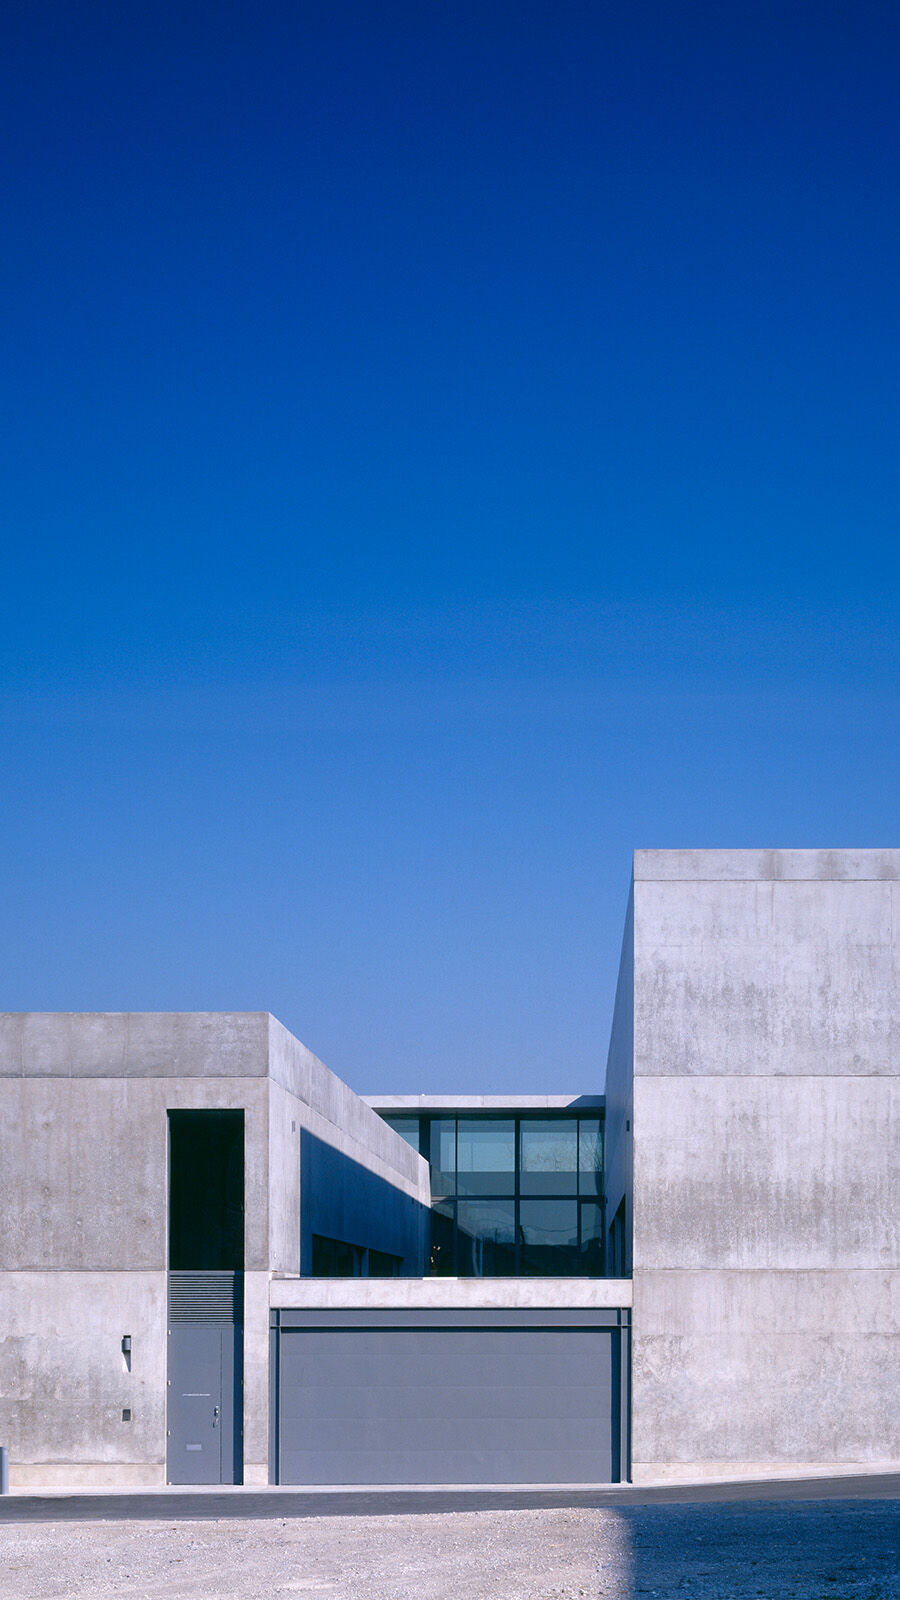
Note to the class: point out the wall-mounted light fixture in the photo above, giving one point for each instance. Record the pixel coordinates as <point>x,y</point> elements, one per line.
<point>126,1351</point>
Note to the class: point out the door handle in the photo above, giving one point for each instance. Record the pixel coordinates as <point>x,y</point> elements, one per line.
<point>215,1416</point>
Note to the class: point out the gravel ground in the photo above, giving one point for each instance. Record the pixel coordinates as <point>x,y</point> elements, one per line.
<point>838,1550</point>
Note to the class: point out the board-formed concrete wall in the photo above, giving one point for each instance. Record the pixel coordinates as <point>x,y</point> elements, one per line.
<point>766,1138</point>
<point>84,1229</point>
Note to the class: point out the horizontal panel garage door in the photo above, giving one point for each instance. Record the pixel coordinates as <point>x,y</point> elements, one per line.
<point>449,1404</point>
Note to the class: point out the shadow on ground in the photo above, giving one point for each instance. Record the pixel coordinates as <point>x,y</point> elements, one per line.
<point>801,1550</point>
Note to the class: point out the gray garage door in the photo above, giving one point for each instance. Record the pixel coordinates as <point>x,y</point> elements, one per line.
<point>508,1400</point>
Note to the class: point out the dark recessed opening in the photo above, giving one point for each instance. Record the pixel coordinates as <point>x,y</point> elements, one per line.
<point>126,1414</point>
<point>206,1191</point>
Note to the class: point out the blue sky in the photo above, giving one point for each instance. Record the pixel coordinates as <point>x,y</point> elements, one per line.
<point>443,450</point>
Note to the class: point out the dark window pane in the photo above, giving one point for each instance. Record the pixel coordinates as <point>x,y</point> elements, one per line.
<point>618,1244</point>
<point>486,1243</point>
<point>441,1263</point>
<point>442,1155</point>
<point>549,1156</point>
<point>383,1265</point>
<point>548,1231</point>
<point>335,1258</point>
<point>486,1156</point>
<point>592,1240</point>
<point>407,1127</point>
<point>590,1156</point>
<point>206,1191</point>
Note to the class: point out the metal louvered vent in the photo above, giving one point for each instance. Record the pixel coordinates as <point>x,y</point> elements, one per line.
<point>206,1297</point>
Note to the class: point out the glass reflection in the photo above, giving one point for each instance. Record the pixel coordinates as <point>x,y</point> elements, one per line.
<point>487,1238</point>
<point>548,1234</point>
<point>520,1182</point>
<point>591,1239</point>
<point>442,1155</point>
<point>590,1156</point>
<point>441,1262</point>
<point>549,1156</point>
<point>485,1156</point>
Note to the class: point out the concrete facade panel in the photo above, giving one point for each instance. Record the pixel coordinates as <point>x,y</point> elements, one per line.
<point>766,1172</point>
<point>87,1475</point>
<point>777,978</point>
<point>684,1303</point>
<point>216,1044</point>
<point>134,1044</point>
<point>78,1195</point>
<point>734,1396</point>
<point>507,1294</point>
<point>86,1168</point>
<point>64,1382</point>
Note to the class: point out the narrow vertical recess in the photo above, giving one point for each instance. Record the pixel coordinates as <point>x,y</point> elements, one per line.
<point>204,1388</point>
<point>206,1191</point>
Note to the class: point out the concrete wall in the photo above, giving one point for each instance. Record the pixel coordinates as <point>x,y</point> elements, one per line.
<point>461,1294</point>
<point>766,1138</point>
<point>335,1114</point>
<point>618,1174</point>
<point>84,1235</point>
<point>342,1199</point>
<point>142,1044</point>
<point>64,1382</point>
<point>84,1222</point>
<point>88,1160</point>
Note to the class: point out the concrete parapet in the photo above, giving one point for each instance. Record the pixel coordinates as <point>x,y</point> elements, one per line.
<point>140,1044</point>
<point>672,866</point>
<point>449,1293</point>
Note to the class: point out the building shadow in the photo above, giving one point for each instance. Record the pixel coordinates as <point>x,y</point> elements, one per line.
<point>760,1550</point>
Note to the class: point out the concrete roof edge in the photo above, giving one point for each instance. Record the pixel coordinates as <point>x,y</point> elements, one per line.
<point>133,1044</point>
<point>767,865</point>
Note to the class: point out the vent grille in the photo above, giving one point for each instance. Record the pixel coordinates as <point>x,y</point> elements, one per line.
<point>206,1297</point>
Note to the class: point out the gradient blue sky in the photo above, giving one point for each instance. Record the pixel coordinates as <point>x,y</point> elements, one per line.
<point>444,448</point>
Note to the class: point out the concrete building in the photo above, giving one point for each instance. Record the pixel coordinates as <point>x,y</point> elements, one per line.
<point>218,1264</point>
<point>97,1265</point>
<point>752,1158</point>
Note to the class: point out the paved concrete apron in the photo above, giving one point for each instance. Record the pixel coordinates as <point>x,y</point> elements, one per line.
<point>194,1504</point>
<point>836,1550</point>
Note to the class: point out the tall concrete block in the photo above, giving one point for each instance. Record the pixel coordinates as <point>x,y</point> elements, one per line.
<point>766,1122</point>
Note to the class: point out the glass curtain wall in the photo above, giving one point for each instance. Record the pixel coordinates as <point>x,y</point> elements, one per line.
<point>513,1196</point>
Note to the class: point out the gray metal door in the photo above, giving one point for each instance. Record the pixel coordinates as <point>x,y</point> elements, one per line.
<point>504,1404</point>
<point>200,1411</point>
